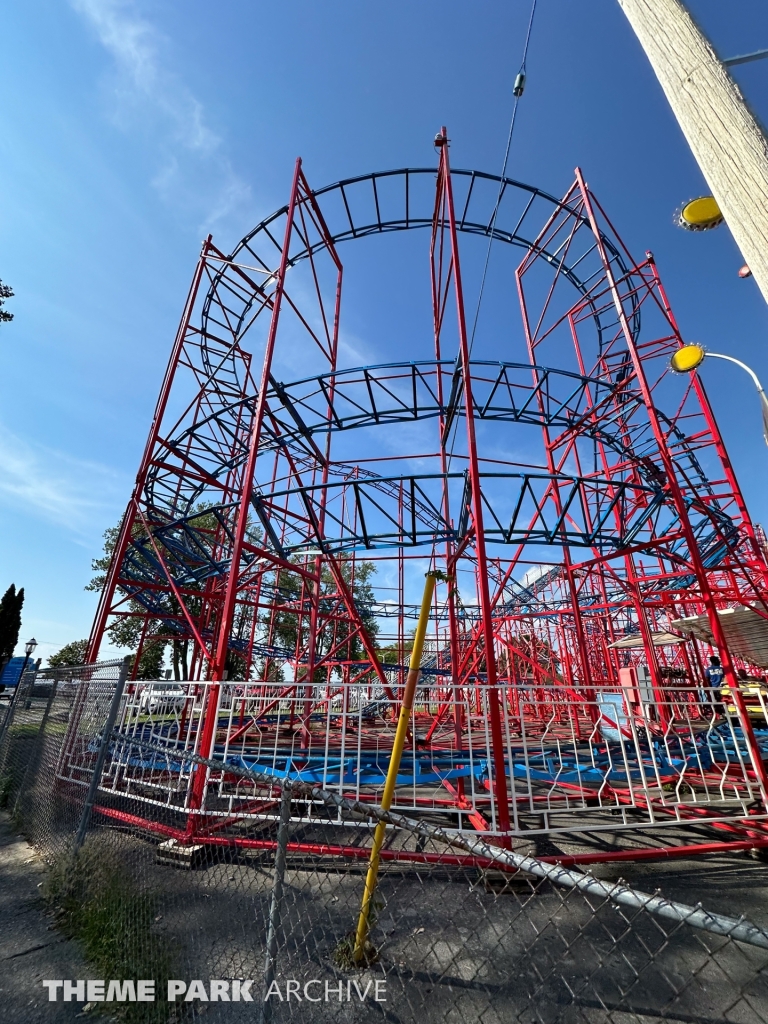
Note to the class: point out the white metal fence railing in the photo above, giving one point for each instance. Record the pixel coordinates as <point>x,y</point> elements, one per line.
<point>579,759</point>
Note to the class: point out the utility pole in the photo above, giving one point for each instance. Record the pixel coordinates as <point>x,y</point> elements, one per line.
<point>723,133</point>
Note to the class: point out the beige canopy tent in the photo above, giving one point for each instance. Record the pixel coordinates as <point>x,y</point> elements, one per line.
<point>746,632</point>
<point>661,639</point>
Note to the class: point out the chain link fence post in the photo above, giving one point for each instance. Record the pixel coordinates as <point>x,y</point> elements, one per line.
<point>98,768</point>
<point>35,757</point>
<point>274,908</point>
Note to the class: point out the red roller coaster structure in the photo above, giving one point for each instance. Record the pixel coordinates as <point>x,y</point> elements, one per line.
<point>579,501</point>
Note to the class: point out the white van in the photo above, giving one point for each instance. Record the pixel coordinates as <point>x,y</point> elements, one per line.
<point>161,697</point>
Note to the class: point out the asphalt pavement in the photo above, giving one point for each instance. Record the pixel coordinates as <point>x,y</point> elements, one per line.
<point>31,948</point>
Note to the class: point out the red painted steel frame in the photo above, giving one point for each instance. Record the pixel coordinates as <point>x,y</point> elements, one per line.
<point>111,584</point>
<point>450,860</point>
<point>640,537</point>
<point>445,271</point>
<point>677,496</point>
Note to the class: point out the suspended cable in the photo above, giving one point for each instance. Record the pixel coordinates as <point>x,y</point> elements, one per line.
<point>517,91</point>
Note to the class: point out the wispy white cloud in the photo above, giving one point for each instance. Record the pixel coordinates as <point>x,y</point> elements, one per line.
<point>194,170</point>
<point>70,492</point>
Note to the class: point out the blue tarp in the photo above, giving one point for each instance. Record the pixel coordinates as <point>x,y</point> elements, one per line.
<point>600,765</point>
<point>728,745</point>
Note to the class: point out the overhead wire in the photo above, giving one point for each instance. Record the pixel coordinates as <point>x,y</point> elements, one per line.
<point>517,91</point>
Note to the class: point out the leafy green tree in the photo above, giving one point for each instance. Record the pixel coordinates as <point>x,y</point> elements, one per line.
<point>357,576</point>
<point>70,654</point>
<point>10,621</point>
<point>151,661</point>
<point>281,623</point>
<point>6,292</point>
<point>126,632</point>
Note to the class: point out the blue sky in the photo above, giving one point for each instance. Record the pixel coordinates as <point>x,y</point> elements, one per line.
<point>132,129</point>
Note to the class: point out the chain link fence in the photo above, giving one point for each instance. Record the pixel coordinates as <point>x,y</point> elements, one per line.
<point>252,916</point>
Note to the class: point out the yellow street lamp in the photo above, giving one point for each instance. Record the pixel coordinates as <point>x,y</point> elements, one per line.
<point>689,357</point>
<point>701,214</point>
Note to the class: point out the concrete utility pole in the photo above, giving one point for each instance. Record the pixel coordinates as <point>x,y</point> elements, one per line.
<point>725,137</point>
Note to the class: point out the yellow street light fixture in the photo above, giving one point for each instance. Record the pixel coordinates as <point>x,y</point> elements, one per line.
<point>689,357</point>
<point>700,214</point>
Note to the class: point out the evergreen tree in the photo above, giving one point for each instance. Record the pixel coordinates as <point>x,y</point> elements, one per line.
<point>6,292</point>
<point>10,621</point>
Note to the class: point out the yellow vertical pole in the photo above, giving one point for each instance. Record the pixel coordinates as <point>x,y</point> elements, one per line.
<point>363,923</point>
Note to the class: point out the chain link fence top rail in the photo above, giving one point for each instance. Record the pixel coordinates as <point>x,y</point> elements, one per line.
<point>234,905</point>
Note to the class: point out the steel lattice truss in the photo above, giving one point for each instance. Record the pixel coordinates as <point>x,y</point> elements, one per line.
<point>258,501</point>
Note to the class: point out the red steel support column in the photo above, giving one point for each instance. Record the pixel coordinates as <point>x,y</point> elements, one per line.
<point>208,715</point>
<point>713,428</point>
<point>494,706</point>
<point>228,609</point>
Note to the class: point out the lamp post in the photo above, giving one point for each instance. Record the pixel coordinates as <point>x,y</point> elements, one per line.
<point>689,357</point>
<point>29,649</point>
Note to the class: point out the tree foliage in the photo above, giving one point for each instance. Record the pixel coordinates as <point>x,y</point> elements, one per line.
<point>390,655</point>
<point>277,626</point>
<point>10,621</point>
<point>70,654</point>
<point>126,632</point>
<point>281,623</point>
<point>6,292</point>
<point>151,661</point>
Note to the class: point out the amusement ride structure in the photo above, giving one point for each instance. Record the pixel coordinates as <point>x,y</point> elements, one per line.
<point>573,494</point>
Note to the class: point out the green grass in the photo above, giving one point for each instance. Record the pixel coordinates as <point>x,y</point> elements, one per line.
<point>343,954</point>
<point>24,730</point>
<point>55,728</point>
<point>98,904</point>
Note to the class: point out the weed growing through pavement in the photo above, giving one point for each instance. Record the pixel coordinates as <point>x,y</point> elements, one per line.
<point>95,902</point>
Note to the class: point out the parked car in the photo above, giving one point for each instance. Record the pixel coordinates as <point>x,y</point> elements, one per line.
<point>159,698</point>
